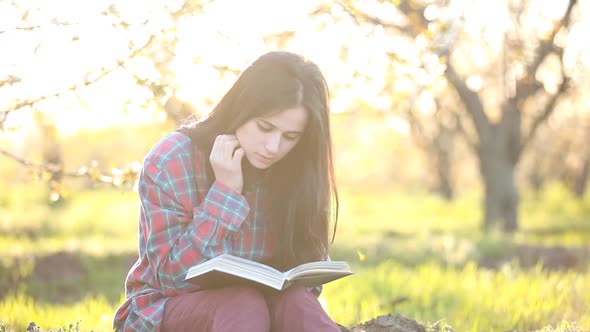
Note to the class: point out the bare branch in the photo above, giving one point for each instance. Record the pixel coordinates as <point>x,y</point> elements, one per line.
<point>357,15</point>
<point>412,11</point>
<point>119,63</point>
<point>543,51</point>
<point>546,112</point>
<point>470,141</point>
<point>418,132</point>
<point>45,167</point>
<point>54,22</point>
<point>472,102</point>
<point>123,177</point>
<point>10,80</point>
<point>227,69</point>
<point>413,15</point>
<point>525,87</point>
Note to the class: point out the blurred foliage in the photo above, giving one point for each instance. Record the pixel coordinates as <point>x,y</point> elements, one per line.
<point>368,152</point>
<point>403,82</point>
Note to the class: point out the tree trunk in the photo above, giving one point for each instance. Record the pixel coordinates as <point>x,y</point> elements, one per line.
<point>443,174</point>
<point>582,179</point>
<point>501,193</point>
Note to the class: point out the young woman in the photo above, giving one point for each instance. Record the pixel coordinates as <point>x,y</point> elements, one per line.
<point>254,179</point>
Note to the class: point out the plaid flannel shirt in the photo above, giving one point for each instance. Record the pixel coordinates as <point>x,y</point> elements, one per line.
<point>184,221</point>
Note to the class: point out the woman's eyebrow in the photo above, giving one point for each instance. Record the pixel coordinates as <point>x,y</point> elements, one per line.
<point>272,125</point>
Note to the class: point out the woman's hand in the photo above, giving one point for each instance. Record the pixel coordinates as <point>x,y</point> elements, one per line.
<point>226,161</point>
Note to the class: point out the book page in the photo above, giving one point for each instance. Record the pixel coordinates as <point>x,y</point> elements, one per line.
<point>318,268</point>
<point>236,266</point>
<point>217,271</point>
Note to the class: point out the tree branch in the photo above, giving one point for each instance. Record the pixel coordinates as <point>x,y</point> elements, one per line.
<point>358,15</point>
<point>10,80</point>
<point>525,86</point>
<point>416,128</point>
<point>545,113</point>
<point>414,13</point>
<point>186,7</point>
<point>543,51</point>
<point>119,63</point>
<point>471,142</point>
<point>52,168</point>
<point>118,178</point>
<point>54,22</point>
<point>227,69</point>
<point>472,102</point>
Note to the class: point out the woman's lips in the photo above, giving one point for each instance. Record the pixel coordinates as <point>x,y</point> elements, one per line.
<point>264,158</point>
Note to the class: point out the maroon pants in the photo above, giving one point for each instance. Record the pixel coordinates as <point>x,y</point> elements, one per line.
<point>248,310</point>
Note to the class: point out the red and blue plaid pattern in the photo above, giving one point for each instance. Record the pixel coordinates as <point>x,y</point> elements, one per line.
<point>184,221</point>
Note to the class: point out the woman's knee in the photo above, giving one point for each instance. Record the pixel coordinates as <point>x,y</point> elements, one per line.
<point>297,309</point>
<point>246,311</point>
<point>248,297</point>
<point>296,296</point>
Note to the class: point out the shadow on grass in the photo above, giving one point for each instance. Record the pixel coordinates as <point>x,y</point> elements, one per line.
<point>28,232</point>
<point>48,230</point>
<point>559,230</point>
<point>490,252</point>
<point>65,277</point>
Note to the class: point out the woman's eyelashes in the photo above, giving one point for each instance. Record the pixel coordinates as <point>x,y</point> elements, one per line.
<point>264,127</point>
<point>267,128</point>
<point>291,137</point>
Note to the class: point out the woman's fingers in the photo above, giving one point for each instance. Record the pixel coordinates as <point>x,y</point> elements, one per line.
<point>226,156</point>
<point>229,147</point>
<point>237,157</point>
<point>225,145</point>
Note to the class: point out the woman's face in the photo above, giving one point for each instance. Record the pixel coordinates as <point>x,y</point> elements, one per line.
<point>266,140</point>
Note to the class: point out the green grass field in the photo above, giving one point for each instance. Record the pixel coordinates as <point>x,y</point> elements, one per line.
<point>413,255</point>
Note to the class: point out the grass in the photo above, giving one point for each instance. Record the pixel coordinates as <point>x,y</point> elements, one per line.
<point>414,255</point>
<point>468,298</point>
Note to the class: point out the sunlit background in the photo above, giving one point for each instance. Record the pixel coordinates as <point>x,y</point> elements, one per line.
<point>426,95</point>
<point>224,33</point>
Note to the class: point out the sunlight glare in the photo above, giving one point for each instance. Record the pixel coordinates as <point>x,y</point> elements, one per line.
<point>398,124</point>
<point>474,83</point>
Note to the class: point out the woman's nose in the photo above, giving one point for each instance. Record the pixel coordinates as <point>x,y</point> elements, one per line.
<point>273,142</point>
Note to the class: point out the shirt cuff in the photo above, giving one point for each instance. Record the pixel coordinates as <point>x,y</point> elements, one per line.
<point>230,206</point>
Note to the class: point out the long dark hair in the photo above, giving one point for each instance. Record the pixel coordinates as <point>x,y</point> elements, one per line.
<point>301,193</point>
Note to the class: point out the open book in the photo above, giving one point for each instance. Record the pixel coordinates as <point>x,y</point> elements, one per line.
<point>226,269</point>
